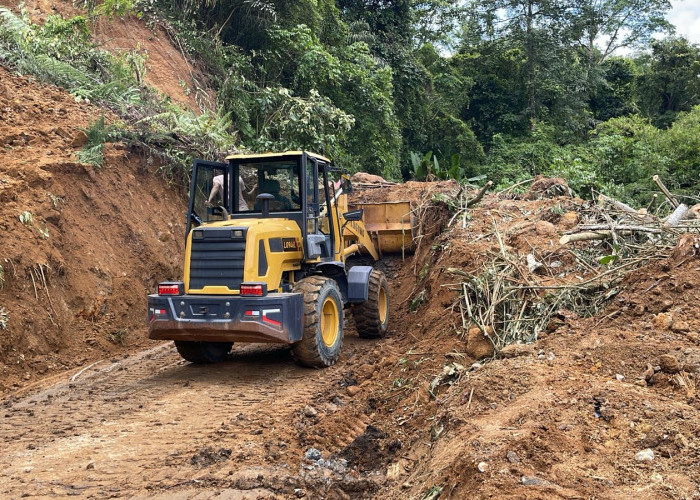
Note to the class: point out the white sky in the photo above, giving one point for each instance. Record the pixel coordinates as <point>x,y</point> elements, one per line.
<point>685,16</point>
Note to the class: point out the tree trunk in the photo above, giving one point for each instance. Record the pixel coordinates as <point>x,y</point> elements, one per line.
<point>531,66</point>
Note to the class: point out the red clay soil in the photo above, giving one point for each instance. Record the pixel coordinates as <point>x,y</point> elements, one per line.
<point>75,276</point>
<point>167,68</point>
<point>561,418</point>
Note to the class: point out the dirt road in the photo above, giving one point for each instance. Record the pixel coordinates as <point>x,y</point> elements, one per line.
<point>152,424</point>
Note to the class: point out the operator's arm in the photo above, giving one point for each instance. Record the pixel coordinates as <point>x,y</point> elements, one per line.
<point>217,186</point>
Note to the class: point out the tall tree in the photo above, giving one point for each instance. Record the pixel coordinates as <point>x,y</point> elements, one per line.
<point>538,28</point>
<point>670,80</point>
<point>602,27</point>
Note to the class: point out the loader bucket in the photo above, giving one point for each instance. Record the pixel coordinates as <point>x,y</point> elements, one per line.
<point>391,225</point>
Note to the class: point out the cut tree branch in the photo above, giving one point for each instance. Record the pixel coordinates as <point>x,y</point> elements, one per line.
<point>665,190</point>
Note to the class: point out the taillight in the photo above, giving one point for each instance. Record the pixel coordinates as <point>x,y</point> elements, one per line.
<point>170,288</point>
<point>254,289</point>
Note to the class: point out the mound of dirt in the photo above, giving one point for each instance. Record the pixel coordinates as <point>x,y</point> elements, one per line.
<point>572,415</point>
<point>547,187</point>
<point>81,246</point>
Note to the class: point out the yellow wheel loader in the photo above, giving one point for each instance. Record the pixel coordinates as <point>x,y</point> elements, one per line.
<point>269,247</point>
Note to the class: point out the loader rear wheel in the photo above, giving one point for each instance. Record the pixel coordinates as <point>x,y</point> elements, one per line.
<point>372,315</point>
<point>203,352</point>
<point>323,322</point>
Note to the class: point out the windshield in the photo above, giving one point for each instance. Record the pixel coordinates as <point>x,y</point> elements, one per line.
<point>278,178</point>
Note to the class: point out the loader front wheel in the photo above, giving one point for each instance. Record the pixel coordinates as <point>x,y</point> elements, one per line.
<point>203,352</point>
<point>323,322</point>
<point>372,315</point>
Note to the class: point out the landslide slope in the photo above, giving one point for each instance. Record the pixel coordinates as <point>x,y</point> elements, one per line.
<point>80,245</point>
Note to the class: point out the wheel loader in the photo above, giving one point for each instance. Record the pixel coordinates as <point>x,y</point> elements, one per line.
<point>272,261</point>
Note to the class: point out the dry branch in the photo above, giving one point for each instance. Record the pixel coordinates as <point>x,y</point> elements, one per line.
<point>665,190</point>
<point>602,200</point>
<point>585,236</point>
<point>479,195</point>
<point>517,184</point>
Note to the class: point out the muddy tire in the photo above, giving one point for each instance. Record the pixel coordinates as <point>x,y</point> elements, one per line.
<point>203,352</point>
<point>323,323</point>
<point>372,315</point>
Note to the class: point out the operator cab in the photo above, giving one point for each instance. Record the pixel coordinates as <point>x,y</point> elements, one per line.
<point>294,185</point>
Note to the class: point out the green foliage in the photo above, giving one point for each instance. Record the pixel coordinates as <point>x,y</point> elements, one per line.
<point>97,134</point>
<point>613,96</point>
<point>294,122</point>
<point>512,160</point>
<point>61,52</point>
<point>527,88</point>
<point>669,83</point>
<point>118,8</point>
<point>427,167</point>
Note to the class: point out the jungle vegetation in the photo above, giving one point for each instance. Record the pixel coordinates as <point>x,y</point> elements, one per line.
<point>599,92</point>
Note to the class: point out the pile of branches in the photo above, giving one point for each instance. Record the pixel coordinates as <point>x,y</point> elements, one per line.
<point>514,301</point>
<point>617,221</point>
<point>510,303</point>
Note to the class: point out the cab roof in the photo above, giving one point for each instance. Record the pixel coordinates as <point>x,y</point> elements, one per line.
<point>275,155</point>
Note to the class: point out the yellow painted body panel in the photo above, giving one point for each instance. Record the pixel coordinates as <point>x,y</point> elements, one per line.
<point>277,262</point>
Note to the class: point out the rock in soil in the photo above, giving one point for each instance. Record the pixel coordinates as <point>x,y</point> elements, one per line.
<point>534,481</point>
<point>644,455</point>
<point>669,363</point>
<point>312,454</point>
<point>209,456</point>
<point>310,411</point>
<point>516,350</point>
<point>662,321</point>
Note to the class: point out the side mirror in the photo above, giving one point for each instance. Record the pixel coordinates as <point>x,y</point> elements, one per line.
<point>346,184</point>
<point>353,215</point>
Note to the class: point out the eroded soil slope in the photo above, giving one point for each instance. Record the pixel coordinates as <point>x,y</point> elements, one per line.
<point>80,245</point>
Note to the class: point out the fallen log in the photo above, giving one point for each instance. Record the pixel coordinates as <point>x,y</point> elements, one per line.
<point>677,216</point>
<point>604,234</point>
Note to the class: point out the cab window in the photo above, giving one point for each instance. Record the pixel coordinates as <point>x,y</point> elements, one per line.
<point>278,178</point>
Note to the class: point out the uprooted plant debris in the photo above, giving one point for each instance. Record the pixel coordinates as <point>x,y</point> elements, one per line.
<point>512,299</point>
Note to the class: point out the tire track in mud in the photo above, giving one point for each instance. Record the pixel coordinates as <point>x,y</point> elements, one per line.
<point>135,426</point>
